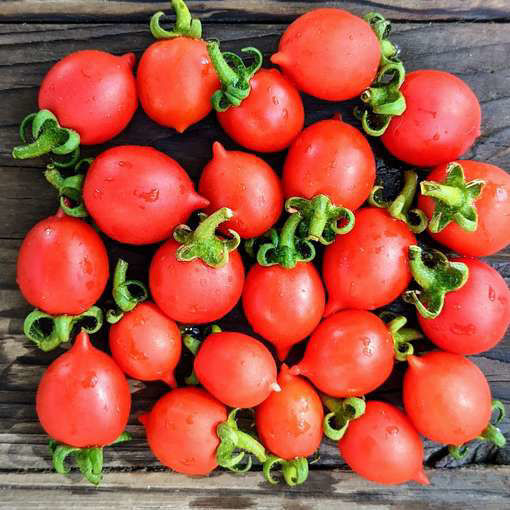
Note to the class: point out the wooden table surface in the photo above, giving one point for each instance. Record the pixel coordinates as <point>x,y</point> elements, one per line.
<point>470,38</point>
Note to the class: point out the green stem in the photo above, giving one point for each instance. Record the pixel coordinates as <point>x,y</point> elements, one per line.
<point>343,411</point>
<point>402,337</point>
<point>295,471</point>
<point>185,25</point>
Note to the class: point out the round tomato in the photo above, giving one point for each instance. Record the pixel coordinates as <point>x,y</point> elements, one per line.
<point>368,267</point>
<point>83,398</point>
<point>435,128</point>
<point>181,430</point>
<point>138,195</point>
<point>447,397</point>
<point>483,227</point>
<point>383,446</point>
<point>62,266</point>
<point>236,369</point>
<point>247,185</point>
<point>330,54</point>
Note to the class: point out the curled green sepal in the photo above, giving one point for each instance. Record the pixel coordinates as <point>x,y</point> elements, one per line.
<point>454,199</point>
<point>234,75</point>
<point>49,331</point>
<point>237,446</point>
<point>185,25</point>
<point>286,247</point>
<point>295,471</point>
<point>48,136</point>
<point>436,275</point>
<point>203,243</point>
<point>321,218</point>
<point>382,29</point>
<point>126,293</point>
<point>402,337</point>
<point>88,460</point>
<point>342,411</point>
<point>400,207</point>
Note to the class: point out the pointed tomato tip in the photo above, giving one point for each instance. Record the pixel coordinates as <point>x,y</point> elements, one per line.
<point>82,341</point>
<point>422,478</point>
<point>414,361</point>
<point>198,201</point>
<point>279,59</point>
<point>218,150</point>
<point>282,353</point>
<point>276,387</point>
<point>143,419</point>
<point>331,308</point>
<point>170,380</point>
<point>296,370</point>
<point>337,116</point>
<point>129,58</point>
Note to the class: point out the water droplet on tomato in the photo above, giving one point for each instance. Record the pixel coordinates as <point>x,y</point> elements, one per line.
<point>436,137</point>
<point>392,431</point>
<point>501,194</point>
<point>285,113</point>
<point>492,294</point>
<point>275,100</point>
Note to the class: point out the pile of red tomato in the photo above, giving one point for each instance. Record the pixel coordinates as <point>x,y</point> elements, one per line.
<point>138,195</point>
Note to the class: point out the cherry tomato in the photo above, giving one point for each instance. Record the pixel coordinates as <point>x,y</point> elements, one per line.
<point>368,267</point>
<point>330,54</point>
<point>247,185</point>
<point>332,158</point>
<point>383,446</point>
<point>83,398</point>
<point>138,195</point>
<point>236,369</point>
<point>283,305</point>
<point>146,344</point>
<point>447,397</point>
<point>492,206</point>
<point>62,266</point>
<point>435,128</point>
<point>289,422</point>
<point>181,430</point>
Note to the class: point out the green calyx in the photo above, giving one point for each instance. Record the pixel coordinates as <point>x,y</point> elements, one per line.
<point>126,293</point>
<point>237,447</point>
<point>234,75</point>
<point>49,331</point>
<point>382,29</point>
<point>203,243</point>
<point>436,275</point>
<point>320,218</point>
<point>47,137</point>
<point>88,460</point>
<point>400,207</point>
<point>343,411</point>
<point>295,471</point>
<point>454,199</point>
<point>185,25</point>
<point>402,336</point>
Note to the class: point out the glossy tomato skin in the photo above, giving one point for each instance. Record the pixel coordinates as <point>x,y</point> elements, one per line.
<point>247,185</point>
<point>330,54</point>
<point>493,207</point>
<point>175,81</point>
<point>283,305</point>
<point>83,398</point>
<point>368,267</point>
<point>270,118</point>
<point>436,127</point>
<point>146,344</point>
<point>62,266</point>
<point>193,292</point>
<point>350,354</point>
<point>447,397</point>
<point>289,422</point>
<point>92,92</point>
<point>235,368</point>
<point>332,158</point>
<point>476,316</point>
<point>383,446</point>
<point>181,430</point>
<point>138,195</point>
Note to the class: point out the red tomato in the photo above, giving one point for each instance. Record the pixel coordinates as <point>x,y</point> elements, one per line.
<point>330,54</point>
<point>283,305</point>
<point>247,185</point>
<point>436,127</point>
<point>383,446</point>
<point>146,344</point>
<point>350,354</point>
<point>332,158</point>
<point>236,369</point>
<point>193,292</point>
<point>476,316</point>
<point>447,397</point>
<point>138,195</point>
<point>62,266</point>
<point>493,207</point>
<point>92,92</point>
<point>83,398</point>
<point>368,267</point>
<point>181,430</point>
<point>289,422</point>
